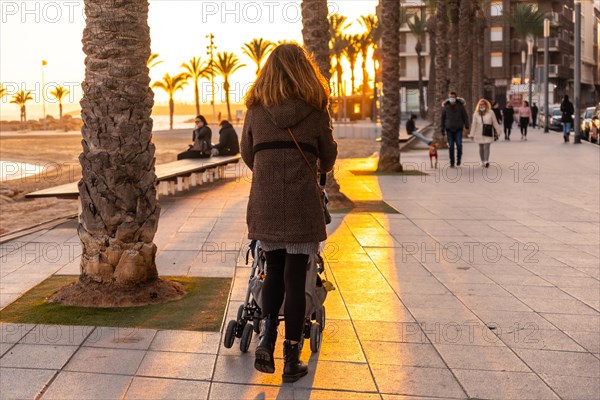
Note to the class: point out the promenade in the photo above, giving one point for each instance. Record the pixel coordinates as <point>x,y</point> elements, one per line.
<point>476,283</point>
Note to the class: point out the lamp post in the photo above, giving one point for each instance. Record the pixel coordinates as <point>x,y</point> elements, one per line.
<point>44,63</point>
<point>577,65</point>
<point>546,74</point>
<point>210,52</point>
<point>530,44</point>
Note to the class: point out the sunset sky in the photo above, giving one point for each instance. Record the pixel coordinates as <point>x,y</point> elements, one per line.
<point>33,31</point>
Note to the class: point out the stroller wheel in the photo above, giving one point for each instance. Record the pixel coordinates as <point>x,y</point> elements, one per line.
<point>246,338</point>
<point>240,313</point>
<point>315,337</point>
<point>320,317</point>
<point>230,334</point>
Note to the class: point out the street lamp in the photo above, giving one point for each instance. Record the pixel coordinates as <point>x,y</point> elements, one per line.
<point>210,52</point>
<point>546,74</point>
<point>530,43</point>
<point>577,67</point>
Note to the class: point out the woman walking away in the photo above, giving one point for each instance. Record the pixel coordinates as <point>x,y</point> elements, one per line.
<point>508,117</point>
<point>287,107</point>
<point>484,129</point>
<point>566,107</point>
<point>524,119</point>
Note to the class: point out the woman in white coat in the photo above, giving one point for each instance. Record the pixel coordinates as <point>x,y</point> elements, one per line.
<point>484,129</point>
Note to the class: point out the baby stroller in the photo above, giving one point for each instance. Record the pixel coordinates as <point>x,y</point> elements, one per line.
<point>249,316</point>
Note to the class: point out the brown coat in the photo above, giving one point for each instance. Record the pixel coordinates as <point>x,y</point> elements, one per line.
<point>284,203</point>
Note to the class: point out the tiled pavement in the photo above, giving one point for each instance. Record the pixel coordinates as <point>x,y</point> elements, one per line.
<point>486,285</point>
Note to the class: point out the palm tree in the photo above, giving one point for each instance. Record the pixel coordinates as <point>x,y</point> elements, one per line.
<point>453,14</point>
<point>528,23</point>
<point>373,30</point>
<point>316,33</point>
<point>171,85</point>
<point>389,155</point>
<point>153,60</point>
<point>58,93</point>
<point>20,99</point>
<point>2,91</point>
<point>258,50</point>
<point>337,24</point>
<point>351,52</point>
<point>430,9</point>
<point>120,211</point>
<point>441,66</point>
<point>466,37</point>
<point>225,65</point>
<point>364,45</point>
<point>195,70</point>
<point>418,28</point>
<point>478,25</point>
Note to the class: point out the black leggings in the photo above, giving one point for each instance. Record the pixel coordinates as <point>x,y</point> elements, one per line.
<point>524,123</point>
<point>286,275</point>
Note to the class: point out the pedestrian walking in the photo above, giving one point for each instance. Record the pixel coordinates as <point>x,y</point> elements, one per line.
<point>484,129</point>
<point>454,120</point>
<point>534,115</point>
<point>287,107</point>
<point>508,117</point>
<point>411,129</point>
<point>567,109</point>
<point>497,112</point>
<point>524,119</point>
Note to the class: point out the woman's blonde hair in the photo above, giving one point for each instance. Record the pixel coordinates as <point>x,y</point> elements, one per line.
<point>488,106</point>
<point>289,73</point>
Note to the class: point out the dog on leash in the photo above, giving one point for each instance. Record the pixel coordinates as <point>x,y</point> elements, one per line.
<point>433,154</point>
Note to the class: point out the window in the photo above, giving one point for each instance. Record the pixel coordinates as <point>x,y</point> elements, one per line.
<point>496,9</point>
<point>496,34</point>
<point>496,60</point>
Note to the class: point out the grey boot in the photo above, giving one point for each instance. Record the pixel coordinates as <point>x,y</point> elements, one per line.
<point>264,361</point>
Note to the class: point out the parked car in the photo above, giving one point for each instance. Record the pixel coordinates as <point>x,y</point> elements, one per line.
<point>542,116</point>
<point>586,122</point>
<point>555,122</point>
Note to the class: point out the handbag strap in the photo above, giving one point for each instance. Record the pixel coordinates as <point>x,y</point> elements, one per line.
<point>308,164</point>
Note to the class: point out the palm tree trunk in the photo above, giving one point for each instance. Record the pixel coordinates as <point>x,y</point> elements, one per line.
<point>24,111</point>
<point>365,87</point>
<point>420,85</point>
<point>465,72</point>
<point>226,87</point>
<point>432,71</point>
<point>478,57</point>
<point>171,112</point>
<point>375,90</point>
<point>197,96</point>
<point>454,7</point>
<point>120,212</point>
<point>441,66</point>
<point>352,79</point>
<point>316,34</point>
<point>60,111</point>
<point>389,155</point>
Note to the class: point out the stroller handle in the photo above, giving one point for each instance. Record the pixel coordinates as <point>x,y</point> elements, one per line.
<point>322,179</point>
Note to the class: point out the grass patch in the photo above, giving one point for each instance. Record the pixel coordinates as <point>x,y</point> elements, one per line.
<point>377,173</point>
<point>201,309</point>
<point>376,206</point>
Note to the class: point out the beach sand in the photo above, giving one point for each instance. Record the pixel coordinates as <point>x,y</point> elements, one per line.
<point>57,155</point>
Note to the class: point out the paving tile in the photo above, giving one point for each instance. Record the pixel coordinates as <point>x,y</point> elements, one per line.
<point>431,300</point>
<point>571,322</point>
<point>503,385</point>
<point>154,388</point>
<point>12,333</point>
<point>121,338</point>
<point>559,306</point>
<point>489,358</point>
<point>228,391</point>
<point>12,382</point>
<point>530,337</point>
<point>574,387</point>
<point>186,342</point>
<point>409,332</point>
<point>382,311</point>
<point>177,365</point>
<point>407,354</point>
<point>561,362</point>
<point>37,356</point>
<point>81,386</point>
<point>589,340</point>
<point>508,321</point>
<point>493,303</point>
<point>334,376</point>
<point>416,381</point>
<point>102,360</point>
<point>301,394</point>
<point>175,262</point>
<point>57,335</point>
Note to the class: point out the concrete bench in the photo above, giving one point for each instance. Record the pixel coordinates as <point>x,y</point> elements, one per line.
<point>174,176</point>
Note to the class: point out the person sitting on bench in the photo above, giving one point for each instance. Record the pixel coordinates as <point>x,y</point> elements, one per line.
<point>201,137</point>
<point>229,144</point>
<point>411,129</point>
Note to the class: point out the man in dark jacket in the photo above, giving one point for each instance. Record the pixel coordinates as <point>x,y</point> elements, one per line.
<point>454,120</point>
<point>534,113</point>
<point>228,141</point>
<point>567,109</point>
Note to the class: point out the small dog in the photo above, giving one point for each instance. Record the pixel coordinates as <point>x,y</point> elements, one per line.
<point>433,154</point>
